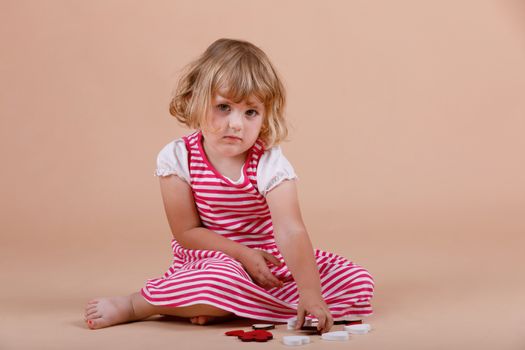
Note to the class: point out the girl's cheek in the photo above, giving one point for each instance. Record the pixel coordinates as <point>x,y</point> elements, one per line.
<point>215,120</point>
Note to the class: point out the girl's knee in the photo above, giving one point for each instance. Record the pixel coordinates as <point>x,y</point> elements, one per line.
<point>352,280</point>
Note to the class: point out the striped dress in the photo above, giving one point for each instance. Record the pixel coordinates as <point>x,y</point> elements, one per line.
<point>239,212</point>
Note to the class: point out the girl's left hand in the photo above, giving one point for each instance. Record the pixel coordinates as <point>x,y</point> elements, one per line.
<point>313,303</point>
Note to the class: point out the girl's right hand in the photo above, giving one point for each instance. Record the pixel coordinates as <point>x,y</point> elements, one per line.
<point>254,261</point>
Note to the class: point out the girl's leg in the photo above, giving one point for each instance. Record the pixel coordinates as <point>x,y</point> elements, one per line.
<point>105,312</point>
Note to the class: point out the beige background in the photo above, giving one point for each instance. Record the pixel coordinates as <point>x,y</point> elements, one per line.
<point>408,139</point>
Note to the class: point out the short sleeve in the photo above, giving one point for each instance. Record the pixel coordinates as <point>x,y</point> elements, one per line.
<point>173,160</point>
<point>273,168</point>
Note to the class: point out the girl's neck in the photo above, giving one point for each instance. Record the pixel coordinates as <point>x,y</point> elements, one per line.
<point>227,166</point>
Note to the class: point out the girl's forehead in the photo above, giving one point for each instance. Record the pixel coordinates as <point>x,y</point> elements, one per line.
<point>251,100</point>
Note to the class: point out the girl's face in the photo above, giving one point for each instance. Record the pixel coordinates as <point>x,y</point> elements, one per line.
<point>234,127</point>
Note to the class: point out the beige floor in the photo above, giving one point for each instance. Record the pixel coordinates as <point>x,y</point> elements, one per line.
<point>453,293</point>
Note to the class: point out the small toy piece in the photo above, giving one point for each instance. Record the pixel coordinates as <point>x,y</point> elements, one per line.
<point>358,328</point>
<point>336,336</point>
<point>308,322</point>
<point>348,322</point>
<point>291,326</point>
<point>261,338</point>
<point>235,333</point>
<point>247,337</point>
<point>292,322</point>
<point>261,332</point>
<point>311,329</point>
<point>311,326</point>
<point>264,326</point>
<point>257,335</point>
<point>294,340</point>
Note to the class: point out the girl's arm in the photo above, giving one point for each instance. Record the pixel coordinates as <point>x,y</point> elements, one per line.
<point>296,248</point>
<point>186,227</point>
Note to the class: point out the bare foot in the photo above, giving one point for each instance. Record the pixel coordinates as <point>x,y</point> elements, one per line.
<point>202,320</point>
<point>105,312</point>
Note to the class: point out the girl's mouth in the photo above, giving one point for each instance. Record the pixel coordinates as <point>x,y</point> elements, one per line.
<point>232,138</point>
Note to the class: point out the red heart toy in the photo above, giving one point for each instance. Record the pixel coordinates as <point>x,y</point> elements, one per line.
<point>257,335</point>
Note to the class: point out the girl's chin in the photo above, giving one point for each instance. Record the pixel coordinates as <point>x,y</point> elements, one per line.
<point>226,143</point>
<point>231,151</point>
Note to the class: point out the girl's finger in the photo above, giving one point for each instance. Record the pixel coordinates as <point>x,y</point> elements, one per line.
<point>265,273</point>
<point>322,319</point>
<point>261,281</point>
<point>330,319</point>
<point>301,313</point>
<point>265,282</point>
<point>329,322</point>
<point>271,258</point>
<point>270,277</point>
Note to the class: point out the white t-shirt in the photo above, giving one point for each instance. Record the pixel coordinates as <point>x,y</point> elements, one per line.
<point>273,167</point>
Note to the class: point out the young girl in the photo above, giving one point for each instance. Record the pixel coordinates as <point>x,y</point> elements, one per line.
<point>239,242</point>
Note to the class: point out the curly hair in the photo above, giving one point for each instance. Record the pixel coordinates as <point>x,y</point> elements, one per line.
<point>242,70</point>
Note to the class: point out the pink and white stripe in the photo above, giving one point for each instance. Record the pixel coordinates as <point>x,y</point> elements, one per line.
<point>240,212</point>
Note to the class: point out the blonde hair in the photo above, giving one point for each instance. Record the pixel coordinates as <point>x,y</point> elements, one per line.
<point>243,70</point>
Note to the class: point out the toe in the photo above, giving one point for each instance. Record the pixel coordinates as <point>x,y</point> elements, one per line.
<point>91,304</point>
<point>204,319</point>
<point>96,323</point>
<point>92,314</point>
<point>91,324</point>
<point>90,310</point>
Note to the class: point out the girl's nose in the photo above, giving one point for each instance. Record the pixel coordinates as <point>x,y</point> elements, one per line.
<point>235,121</point>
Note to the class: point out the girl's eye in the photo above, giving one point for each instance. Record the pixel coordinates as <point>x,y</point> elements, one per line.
<point>223,107</point>
<point>252,114</point>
